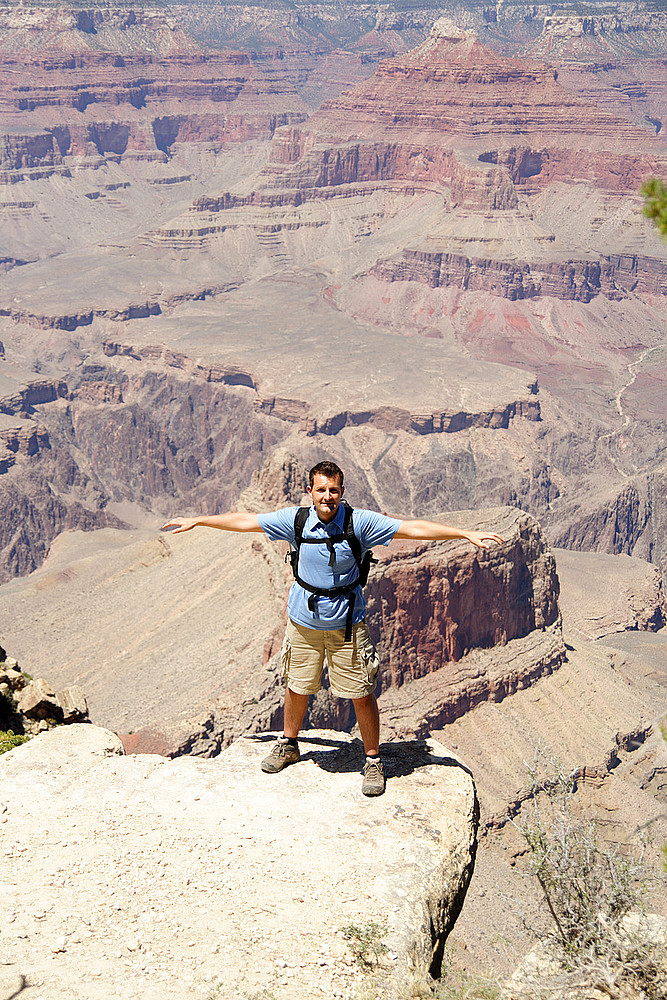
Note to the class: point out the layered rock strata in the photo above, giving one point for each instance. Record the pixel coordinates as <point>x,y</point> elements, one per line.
<point>616,276</point>
<point>638,87</point>
<point>104,104</point>
<point>212,421</point>
<point>288,256</point>
<point>432,604</point>
<point>484,131</point>
<point>452,93</point>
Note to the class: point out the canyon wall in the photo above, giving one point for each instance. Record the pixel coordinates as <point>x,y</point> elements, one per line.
<point>615,276</point>
<point>101,103</point>
<point>107,439</point>
<point>433,604</point>
<point>461,217</point>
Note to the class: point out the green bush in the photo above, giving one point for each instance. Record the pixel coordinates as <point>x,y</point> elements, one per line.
<point>9,740</point>
<point>366,942</point>
<point>655,203</point>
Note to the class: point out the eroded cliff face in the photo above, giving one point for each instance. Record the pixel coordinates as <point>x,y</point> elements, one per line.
<point>103,103</point>
<point>78,450</point>
<point>454,93</point>
<point>108,439</point>
<point>631,521</point>
<point>616,276</point>
<point>432,604</point>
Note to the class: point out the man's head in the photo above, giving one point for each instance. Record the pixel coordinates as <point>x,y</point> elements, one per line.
<point>328,469</point>
<point>326,489</point>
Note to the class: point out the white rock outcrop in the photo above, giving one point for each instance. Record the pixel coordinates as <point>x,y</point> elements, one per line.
<point>140,877</point>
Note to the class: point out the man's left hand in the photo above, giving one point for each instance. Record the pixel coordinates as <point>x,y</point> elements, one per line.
<point>484,539</point>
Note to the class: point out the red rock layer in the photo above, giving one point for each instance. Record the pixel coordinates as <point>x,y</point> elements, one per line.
<point>431,115</point>
<point>615,276</point>
<point>77,81</point>
<point>432,606</point>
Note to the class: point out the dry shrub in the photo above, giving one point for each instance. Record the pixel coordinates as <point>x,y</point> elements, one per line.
<point>597,938</point>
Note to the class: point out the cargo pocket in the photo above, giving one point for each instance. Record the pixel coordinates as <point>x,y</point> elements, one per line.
<point>370,660</point>
<point>285,657</point>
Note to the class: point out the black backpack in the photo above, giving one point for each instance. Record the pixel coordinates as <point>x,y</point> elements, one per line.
<point>347,535</point>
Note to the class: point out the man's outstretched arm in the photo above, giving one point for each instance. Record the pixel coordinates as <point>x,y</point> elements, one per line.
<point>234,521</point>
<point>432,531</point>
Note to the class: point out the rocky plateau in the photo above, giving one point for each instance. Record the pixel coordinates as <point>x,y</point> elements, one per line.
<point>165,837</point>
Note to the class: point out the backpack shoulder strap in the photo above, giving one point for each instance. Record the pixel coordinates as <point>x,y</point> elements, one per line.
<point>348,531</point>
<point>363,563</point>
<point>300,519</point>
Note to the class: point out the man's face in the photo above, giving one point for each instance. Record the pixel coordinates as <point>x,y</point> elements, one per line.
<point>326,495</point>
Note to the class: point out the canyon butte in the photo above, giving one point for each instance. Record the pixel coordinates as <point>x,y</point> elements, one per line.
<point>235,241</point>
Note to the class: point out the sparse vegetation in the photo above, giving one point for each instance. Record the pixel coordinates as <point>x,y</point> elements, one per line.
<point>655,203</point>
<point>597,934</point>
<point>9,740</point>
<point>366,942</point>
<point>454,984</point>
<point>413,984</point>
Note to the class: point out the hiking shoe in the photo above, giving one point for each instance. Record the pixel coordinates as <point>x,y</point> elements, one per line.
<point>373,783</point>
<point>282,754</point>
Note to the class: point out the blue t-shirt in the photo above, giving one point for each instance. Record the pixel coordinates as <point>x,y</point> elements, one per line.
<point>370,528</point>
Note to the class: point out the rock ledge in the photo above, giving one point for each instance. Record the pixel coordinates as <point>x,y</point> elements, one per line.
<point>195,873</point>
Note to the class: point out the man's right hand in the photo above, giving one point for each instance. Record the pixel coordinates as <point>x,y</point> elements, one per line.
<point>239,520</point>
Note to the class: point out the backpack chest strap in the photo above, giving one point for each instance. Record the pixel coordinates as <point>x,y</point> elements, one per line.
<point>329,541</point>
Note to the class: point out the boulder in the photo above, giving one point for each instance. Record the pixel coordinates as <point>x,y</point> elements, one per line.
<point>51,762</point>
<point>12,677</point>
<point>38,701</point>
<point>73,703</point>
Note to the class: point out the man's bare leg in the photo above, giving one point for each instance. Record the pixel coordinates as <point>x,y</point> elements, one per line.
<point>368,718</point>
<point>295,709</point>
<point>286,750</point>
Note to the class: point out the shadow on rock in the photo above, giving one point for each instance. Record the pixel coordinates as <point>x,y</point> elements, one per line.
<point>20,984</point>
<point>399,759</point>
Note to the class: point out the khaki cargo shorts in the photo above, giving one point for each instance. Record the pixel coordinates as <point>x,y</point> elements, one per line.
<point>353,666</point>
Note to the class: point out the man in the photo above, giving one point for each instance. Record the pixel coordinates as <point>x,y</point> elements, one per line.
<point>326,609</point>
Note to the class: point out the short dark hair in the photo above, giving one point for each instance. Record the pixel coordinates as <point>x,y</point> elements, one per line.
<point>328,469</point>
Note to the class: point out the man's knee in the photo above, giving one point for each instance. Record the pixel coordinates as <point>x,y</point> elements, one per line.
<point>364,701</point>
<point>290,692</point>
